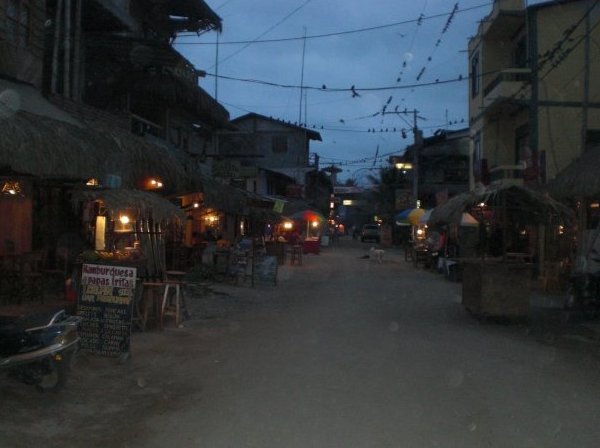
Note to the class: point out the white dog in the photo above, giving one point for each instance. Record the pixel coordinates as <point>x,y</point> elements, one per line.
<point>377,254</point>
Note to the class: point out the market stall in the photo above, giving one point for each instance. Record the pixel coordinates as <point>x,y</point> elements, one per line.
<point>510,253</point>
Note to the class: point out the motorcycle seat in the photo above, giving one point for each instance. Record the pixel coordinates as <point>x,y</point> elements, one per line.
<point>10,325</point>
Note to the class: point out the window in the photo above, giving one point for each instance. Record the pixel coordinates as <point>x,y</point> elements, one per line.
<point>280,143</point>
<point>17,23</point>
<point>475,75</point>
<point>592,139</point>
<point>477,165</point>
<point>520,53</point>
<point>522,149</point>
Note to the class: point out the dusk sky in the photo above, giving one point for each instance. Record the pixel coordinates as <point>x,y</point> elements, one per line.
<point>397,54</point>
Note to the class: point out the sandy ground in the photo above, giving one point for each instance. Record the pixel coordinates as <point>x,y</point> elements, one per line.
<point>344,352</point>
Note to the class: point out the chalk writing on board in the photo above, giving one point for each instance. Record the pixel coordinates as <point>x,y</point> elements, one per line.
<point>106,299</point>
<point>265,270</point>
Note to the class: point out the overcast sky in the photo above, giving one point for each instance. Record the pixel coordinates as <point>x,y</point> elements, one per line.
<point>402,58</point>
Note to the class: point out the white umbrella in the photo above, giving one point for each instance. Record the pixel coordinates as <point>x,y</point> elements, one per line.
<point>468,220</point>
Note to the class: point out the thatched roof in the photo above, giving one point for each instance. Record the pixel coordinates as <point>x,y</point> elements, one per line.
<point>136,159</point>
<point>579,179</point>
<point>145,204</point>
<point>520,203</point>
<point>50,148</point>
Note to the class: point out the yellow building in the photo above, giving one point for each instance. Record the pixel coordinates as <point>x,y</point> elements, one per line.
<point>534,98</point>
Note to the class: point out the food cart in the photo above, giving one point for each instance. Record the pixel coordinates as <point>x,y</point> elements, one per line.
<point>498,281</point>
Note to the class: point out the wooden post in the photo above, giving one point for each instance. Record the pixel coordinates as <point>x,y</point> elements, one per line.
<point>77,53</point>
<point>67,51</point>
<point>57,26</point>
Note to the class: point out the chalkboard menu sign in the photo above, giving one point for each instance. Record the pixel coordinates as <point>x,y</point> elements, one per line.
<point>265,269</point>
<point>106,304</point>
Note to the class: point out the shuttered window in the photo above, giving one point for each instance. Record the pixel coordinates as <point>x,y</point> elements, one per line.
<point>280,143</point>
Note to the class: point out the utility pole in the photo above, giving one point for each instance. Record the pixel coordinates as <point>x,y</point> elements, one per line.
<point>302,77</point>
<point>416,147</point>
<point>418,141</point>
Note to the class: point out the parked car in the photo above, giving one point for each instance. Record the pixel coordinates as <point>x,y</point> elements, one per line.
<point>370,232</point>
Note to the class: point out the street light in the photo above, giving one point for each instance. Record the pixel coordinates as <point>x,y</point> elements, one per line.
<point>404,166</point>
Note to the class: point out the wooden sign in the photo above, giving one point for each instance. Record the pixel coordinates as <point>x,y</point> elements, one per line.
<point>106,299</point>
<point>265,270</point>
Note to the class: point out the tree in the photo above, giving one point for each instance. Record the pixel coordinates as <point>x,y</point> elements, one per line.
<point>384,191</point>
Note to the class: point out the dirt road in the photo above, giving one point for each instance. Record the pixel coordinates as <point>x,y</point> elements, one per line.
<point>344,352</point>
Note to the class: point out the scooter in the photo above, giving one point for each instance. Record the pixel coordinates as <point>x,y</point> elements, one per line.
<point>39,349</point>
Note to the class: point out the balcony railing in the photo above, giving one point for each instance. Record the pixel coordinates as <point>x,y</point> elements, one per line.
<point>507,175</point>
<point>509,85</point>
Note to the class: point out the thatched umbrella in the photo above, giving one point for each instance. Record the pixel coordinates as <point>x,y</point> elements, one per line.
<point>524,203</point>
<point>146,204</point>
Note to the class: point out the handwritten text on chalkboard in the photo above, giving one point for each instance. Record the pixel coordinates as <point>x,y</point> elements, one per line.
<point>105,304</point>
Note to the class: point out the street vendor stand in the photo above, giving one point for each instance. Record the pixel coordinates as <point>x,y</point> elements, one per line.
<point>311,246</point>
<point>499,281</point>
<point>496,288</point>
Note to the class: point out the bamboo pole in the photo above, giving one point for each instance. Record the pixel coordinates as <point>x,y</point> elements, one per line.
<point>57,26</point>
<point>67,51</point>
<point>77,53</point>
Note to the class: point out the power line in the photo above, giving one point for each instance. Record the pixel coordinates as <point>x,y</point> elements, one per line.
<point>460,78</point>
<point>271,28</point>
<point>324,35</point>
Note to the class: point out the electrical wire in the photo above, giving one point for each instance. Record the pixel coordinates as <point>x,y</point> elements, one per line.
<point>325,35</point>
<point>271,28</point>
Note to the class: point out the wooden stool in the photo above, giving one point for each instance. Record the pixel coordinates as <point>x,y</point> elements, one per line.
<point>296,254</point>
<point>150,300</point>
<point>172,304</point>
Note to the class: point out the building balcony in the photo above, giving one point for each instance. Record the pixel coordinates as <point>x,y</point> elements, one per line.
<point>507,175</point>
<point>509,85</point>
<point>108,15</point>
<point>506,18</point>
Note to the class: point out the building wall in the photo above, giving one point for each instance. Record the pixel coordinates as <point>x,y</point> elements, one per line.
<point>561,88</point>
<point>265,131</point>
<point>555,114</point>
<point>23,59</point>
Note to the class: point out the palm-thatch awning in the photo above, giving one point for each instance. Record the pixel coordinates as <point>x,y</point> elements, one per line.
<point>579,179</point>
<point>521,203</point>
<point>146,205</point>
<point>50,148</point>
<point>136,159</point>
<point>46,147</point>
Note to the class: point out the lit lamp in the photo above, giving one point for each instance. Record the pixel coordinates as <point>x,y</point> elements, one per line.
<point>404,166</point>
<point>100,234</point>
<point>123,224</point>
<point>154,184</point>
<point>12,188</point>
<point>288,225</point>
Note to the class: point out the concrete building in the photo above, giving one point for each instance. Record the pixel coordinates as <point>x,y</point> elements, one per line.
<point>533,102</point>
